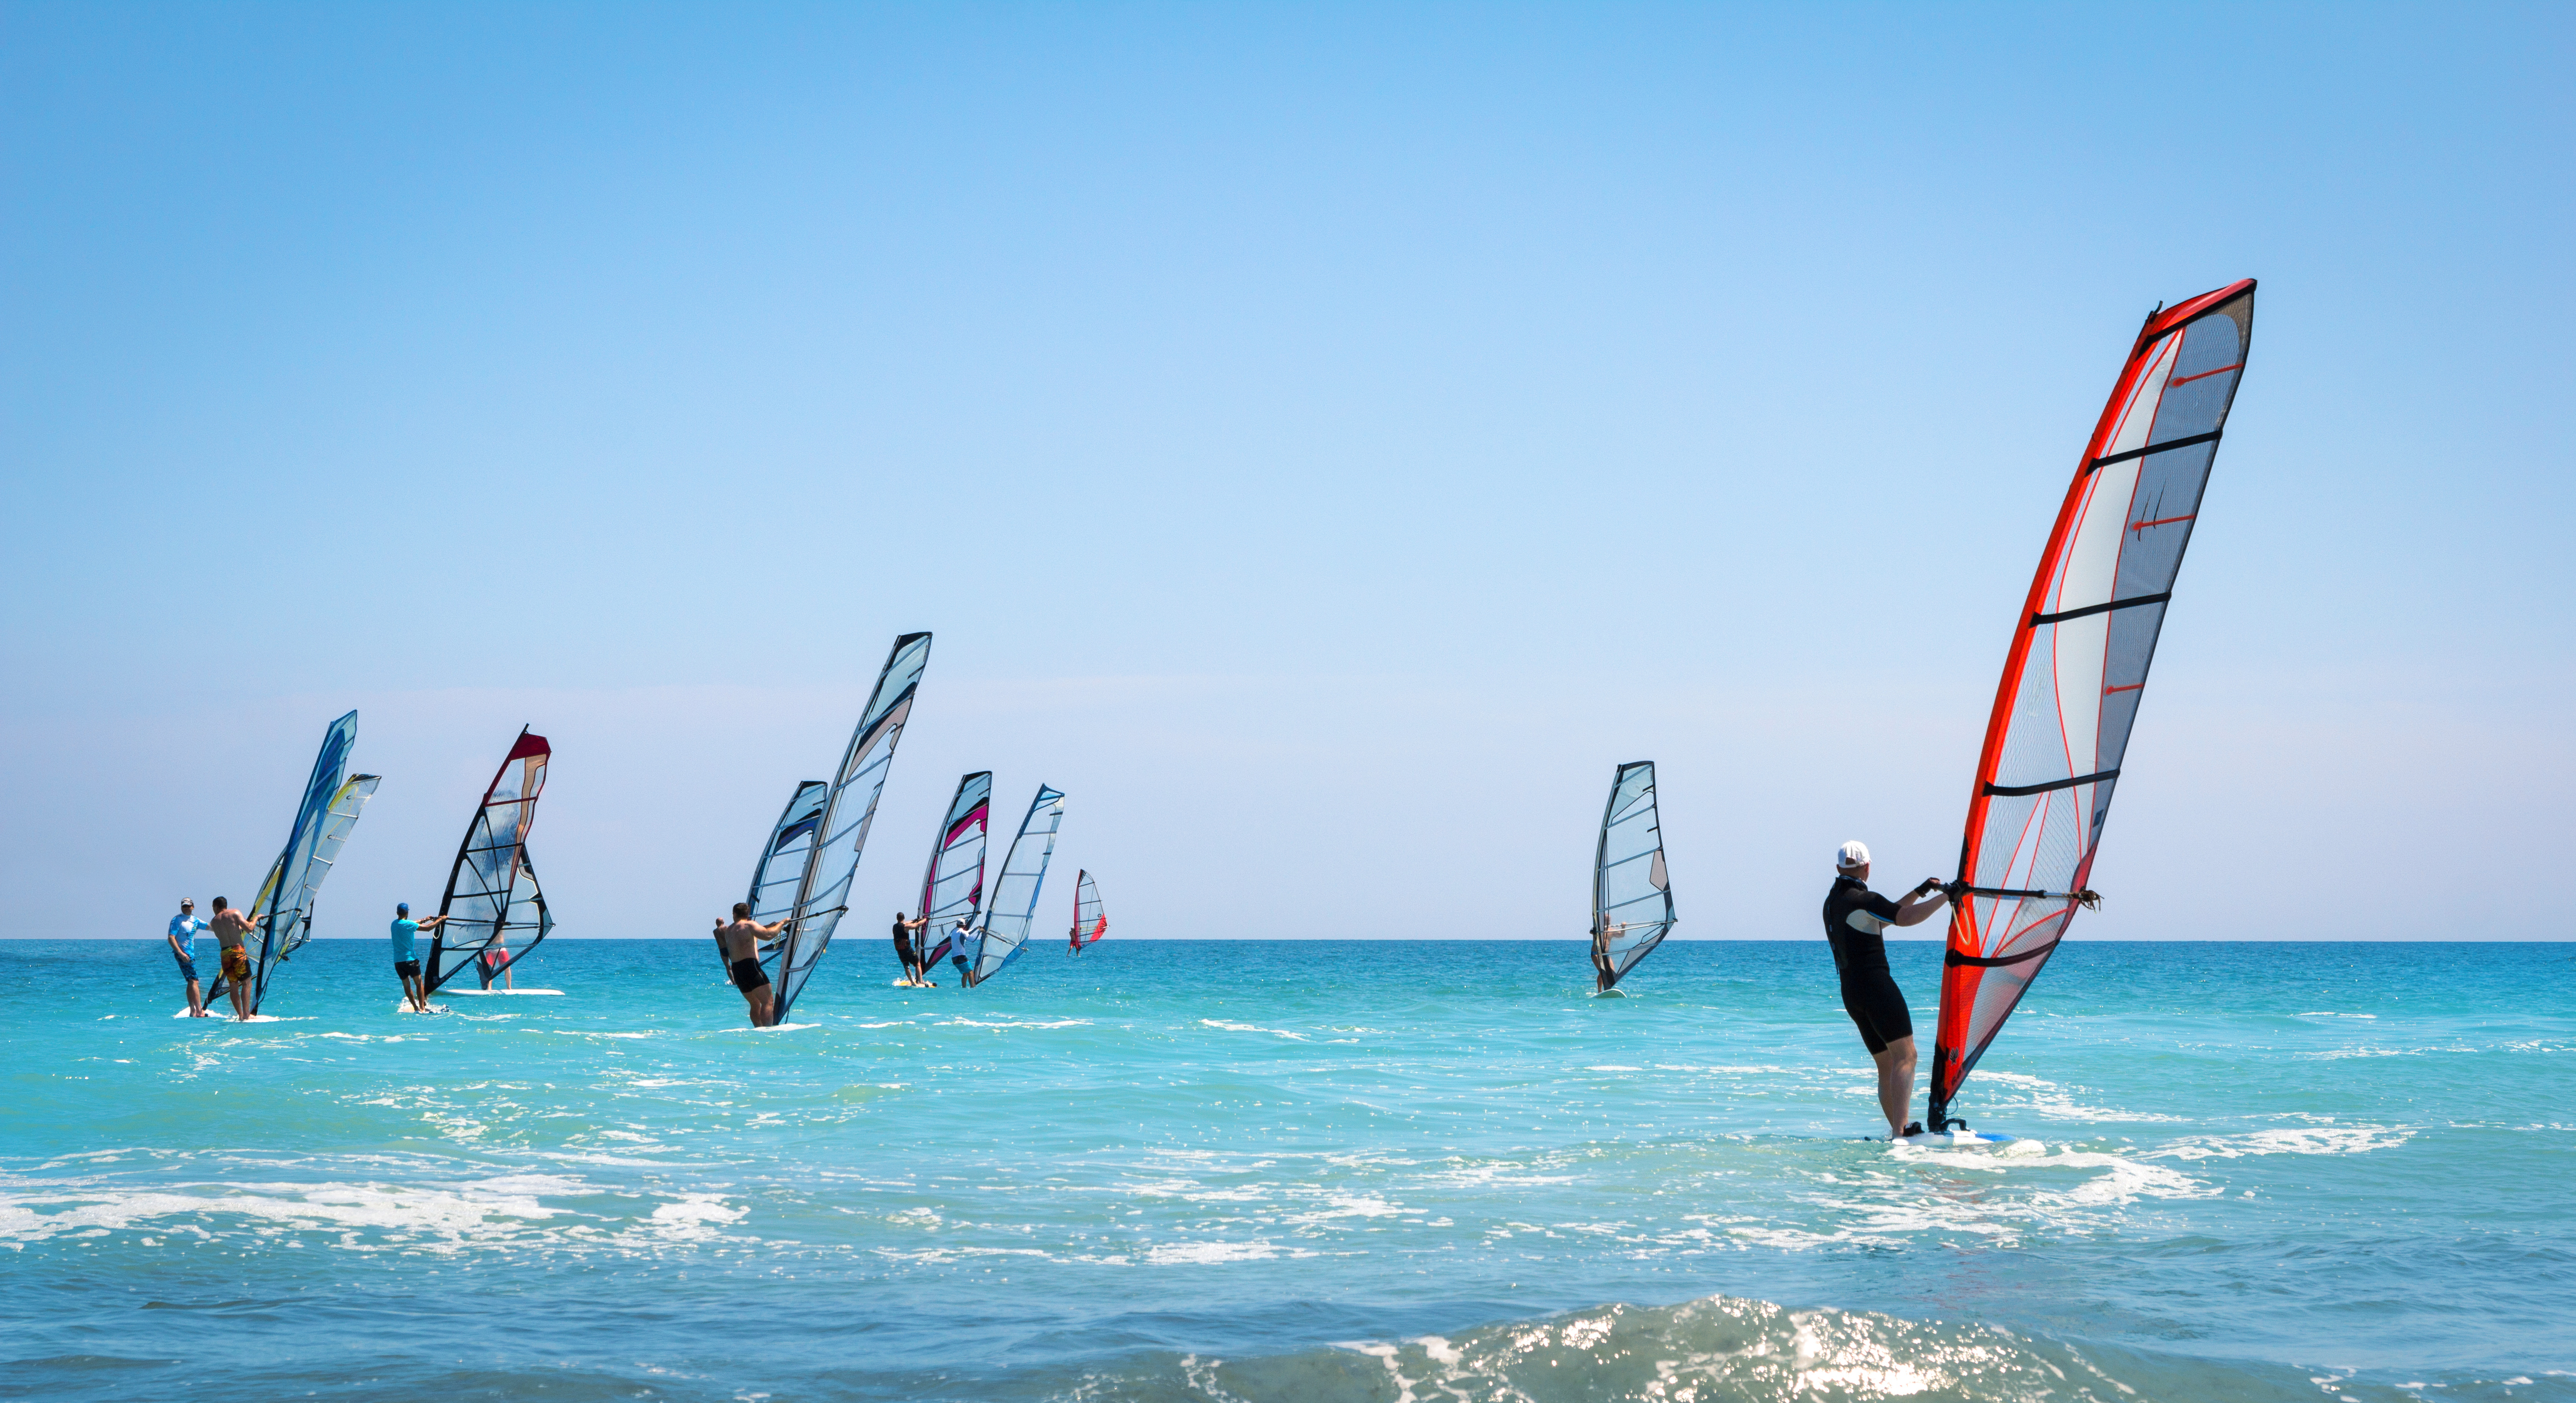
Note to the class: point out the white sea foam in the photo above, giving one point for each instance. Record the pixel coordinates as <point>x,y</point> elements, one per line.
<point>2290,1140</point>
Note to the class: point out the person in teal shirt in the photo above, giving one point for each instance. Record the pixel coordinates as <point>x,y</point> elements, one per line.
<point>183,943</point>
<point>407,957</point>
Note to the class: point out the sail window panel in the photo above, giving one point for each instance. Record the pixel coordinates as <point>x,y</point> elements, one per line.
<point>2078,646</point>
<point>2035,744</point>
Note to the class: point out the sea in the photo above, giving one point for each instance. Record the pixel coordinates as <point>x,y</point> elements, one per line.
<point>1404,1171</point>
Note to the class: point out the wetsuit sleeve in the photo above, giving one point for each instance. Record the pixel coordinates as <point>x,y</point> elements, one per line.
<point>1878,906</point>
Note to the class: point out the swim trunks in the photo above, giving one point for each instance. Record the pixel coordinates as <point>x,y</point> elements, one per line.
<point>236,963</point>
<point>408,969</point>
<point>748,975</point>
<point>187,967</point>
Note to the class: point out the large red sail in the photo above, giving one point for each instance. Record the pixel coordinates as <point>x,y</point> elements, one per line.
<point>2076,668</point>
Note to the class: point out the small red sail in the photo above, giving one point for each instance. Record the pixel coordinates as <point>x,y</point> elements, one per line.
<point>2076,668</point>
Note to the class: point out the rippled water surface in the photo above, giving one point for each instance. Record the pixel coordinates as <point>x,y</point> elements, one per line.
<point>1290,1171</point>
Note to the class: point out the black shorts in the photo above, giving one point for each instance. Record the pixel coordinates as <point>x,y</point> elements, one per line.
<point>748,975</point>
<point>903,951</point>
<point>408,969</point>
<point>1871,998</point>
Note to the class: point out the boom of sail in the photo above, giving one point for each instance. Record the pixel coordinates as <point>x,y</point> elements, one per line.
<point>1014,907</point>
<point>840,815</point>
<point>1632,898</point>
<point>283,912</point>
<point>2076,669</point>
<point>495,911</point>
<point>952,889</point>
<point>1089,923</point>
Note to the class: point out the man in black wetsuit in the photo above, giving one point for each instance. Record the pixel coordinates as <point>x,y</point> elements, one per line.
<point>1855,916</point>
<point>906,950</point>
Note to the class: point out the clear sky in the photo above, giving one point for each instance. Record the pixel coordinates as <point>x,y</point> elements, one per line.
<point>1325,441</point>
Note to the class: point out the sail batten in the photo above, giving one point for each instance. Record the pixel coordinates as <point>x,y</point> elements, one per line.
<point>826,857</point>
<point>2076,668</point>
<point>1013,909</point>
<point>1632,898</point>
<point>496,912</point>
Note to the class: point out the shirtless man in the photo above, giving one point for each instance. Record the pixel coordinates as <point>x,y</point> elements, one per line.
<point>741,941</point>
<point>1855,917</point>
<point>908,952</point>
<point>183,944</point>
<point>229,927</point>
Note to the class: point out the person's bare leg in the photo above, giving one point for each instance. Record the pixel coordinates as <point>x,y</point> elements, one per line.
<point>196,1000</point>
<point>1895,1083</point>
<point>765,1008</point>
<point>241,1000</point>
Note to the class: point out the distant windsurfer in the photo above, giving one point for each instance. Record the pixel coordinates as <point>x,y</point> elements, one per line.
<point>741,942</point>
<point>958,936</point>
<point>908,950</point>
<point>1855,918</point>
<point>183,944</point>
<point>406,936</point>
<point>229,927</point>
<point>1604,973</point>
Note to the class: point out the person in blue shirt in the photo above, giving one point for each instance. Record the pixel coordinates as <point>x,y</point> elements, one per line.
<point>183,944</point>
<point>407,957</point>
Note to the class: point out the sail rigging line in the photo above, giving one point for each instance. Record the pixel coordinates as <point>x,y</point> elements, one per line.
<point>2076,669</point>
<point>1014,905</point>
<point>1632,898</point>
<point>848,809</point>
<point>282,912</point>
<point>1089,921</point>
<point>492,891</point>
<point>952,885</point>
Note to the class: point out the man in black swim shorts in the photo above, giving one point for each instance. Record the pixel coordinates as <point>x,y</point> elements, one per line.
<point>741,942</point>
<point>1855,917</point>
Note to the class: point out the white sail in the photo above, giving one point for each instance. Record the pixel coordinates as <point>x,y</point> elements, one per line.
<point>1632,897</point>
<point>1013,908</point>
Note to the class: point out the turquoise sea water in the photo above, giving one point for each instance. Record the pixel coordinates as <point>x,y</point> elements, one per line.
<point>1329,1170</point>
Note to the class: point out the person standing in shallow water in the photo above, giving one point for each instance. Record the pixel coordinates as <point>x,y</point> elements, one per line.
<point>908,949</point>
<point>183,944</point>
<point>407,954</point>
<point>1855,918</point>
<point>230,927</point>
<point>741,943</point>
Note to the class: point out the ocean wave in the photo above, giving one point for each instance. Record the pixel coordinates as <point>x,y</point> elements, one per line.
<point>1718,1350</point>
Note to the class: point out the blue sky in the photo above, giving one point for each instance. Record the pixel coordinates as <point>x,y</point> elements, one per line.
<point>1325,441</point>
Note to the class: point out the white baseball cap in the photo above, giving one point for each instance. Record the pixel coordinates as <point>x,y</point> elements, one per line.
<point>1852,854</point>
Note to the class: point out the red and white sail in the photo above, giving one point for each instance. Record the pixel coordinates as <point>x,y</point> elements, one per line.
<point>2077,667</point>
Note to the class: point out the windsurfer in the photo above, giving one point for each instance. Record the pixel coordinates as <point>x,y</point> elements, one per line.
<point>406,934</point>
<point>229,927</point>
<point>183,944</point>
<point>1604,973</point>
<point>741,941</point>
<point>909,952</point>
<point>1855,918</point>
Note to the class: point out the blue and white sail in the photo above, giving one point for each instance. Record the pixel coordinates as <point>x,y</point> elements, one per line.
<point>1632,897</point>
<point>780,873</point>
<point>283,912</point>
<point>814,906</point>
<point>952,889</point>
<point>1013,908</point>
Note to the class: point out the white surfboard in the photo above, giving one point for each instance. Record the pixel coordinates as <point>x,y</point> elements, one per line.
<point>1962,1140</point>
<point>225,1016</point>
<point>404,1006</point>
<point>478,993</point>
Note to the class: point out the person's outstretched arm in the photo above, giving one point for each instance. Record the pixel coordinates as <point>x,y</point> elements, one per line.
<point>1920,903</point>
